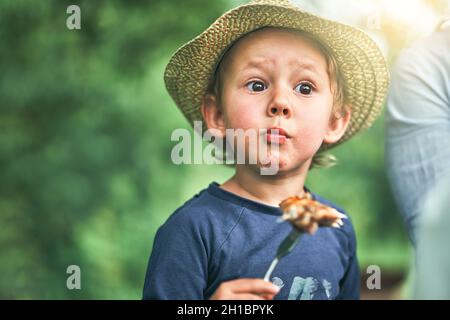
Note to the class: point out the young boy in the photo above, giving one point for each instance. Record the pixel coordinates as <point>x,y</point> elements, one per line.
<point>309,84</point>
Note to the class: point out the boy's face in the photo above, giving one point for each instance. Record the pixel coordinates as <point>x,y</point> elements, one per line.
<point>276,78</point>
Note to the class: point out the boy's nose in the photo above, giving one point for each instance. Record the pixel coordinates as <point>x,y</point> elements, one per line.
<point>280,109</point>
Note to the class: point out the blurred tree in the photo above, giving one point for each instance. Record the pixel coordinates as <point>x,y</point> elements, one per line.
<point>85,140</point>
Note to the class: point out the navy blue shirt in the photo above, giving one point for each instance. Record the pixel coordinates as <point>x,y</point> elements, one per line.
<point>219,236</point>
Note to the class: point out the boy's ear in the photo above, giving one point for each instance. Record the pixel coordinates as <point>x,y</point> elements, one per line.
<point>212,113</point>
<point>337,127</point>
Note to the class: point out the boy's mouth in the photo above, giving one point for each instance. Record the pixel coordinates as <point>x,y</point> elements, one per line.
<point>276,135</point>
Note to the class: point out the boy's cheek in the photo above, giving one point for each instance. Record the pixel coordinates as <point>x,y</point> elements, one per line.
<point>315,123</point>
<point>309,139</point>
<point>242,117</point>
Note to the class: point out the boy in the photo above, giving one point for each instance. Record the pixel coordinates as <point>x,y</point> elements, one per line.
<point>308,84</point>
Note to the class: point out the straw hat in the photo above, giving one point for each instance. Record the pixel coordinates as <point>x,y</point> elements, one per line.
<point>361,62</point>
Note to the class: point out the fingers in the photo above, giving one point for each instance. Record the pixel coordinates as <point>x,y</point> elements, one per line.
<point>268,296</point>
<point>245,289</point>
<point>247,296</point>
<point>255,286</point>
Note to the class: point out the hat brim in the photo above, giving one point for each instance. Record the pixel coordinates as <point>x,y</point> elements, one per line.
<point>360,60</point>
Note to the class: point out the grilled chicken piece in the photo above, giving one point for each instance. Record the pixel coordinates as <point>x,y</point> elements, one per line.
<point>307,215</point>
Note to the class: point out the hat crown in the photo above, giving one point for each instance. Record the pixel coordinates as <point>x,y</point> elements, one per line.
<point>281,3</point>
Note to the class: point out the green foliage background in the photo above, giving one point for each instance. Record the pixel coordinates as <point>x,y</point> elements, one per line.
<point>85,126</point>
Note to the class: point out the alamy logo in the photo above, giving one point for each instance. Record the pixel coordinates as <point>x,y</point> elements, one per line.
<point>374,280</point>
<point>73,22</point>
<point>252,146</point>
<point>74,280</point>
<point>374,20</point>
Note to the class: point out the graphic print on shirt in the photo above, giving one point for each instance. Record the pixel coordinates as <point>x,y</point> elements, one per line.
<point>327,286</point>
<point>305,288</point>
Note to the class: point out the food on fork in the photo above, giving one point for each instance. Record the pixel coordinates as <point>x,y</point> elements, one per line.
<point>308,215</point>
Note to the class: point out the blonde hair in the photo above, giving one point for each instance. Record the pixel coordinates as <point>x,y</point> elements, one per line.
<point>337,83</point>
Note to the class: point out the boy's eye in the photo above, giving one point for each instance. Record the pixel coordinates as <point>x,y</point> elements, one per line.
<point>304,88</point>
<point>256,86</point>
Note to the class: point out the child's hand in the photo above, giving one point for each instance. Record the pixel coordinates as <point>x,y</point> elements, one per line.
<point>245,289</point>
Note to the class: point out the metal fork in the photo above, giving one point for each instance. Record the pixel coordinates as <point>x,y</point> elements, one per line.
<point>285,248</point>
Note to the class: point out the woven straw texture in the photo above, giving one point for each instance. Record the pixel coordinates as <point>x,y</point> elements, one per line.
<point>359,58</point>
